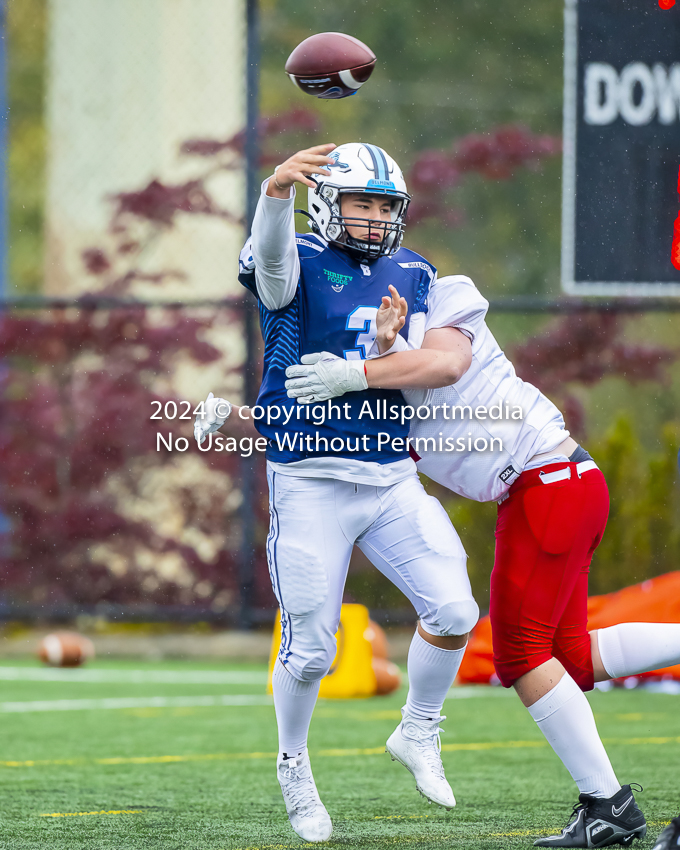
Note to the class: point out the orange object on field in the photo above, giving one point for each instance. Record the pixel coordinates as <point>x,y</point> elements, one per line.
<point>656,600</point>
<point>477,667</point>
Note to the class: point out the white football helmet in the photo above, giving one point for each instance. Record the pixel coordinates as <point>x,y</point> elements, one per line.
<point>359,168</point>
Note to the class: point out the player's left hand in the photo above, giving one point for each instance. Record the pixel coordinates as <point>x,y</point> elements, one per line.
<point>324,375</point>
<point>391,319</point>
<point>217,412</point>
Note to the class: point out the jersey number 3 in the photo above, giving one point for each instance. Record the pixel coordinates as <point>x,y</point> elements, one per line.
<point>362,319</point>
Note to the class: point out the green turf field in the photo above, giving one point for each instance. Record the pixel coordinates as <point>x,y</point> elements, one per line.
<point>173,767</point>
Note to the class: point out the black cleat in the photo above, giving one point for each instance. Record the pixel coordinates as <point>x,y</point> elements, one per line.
<point>669,838</point>
<point>601,822</point>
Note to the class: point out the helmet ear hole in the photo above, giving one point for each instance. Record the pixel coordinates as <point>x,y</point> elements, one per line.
<point>316,208</point>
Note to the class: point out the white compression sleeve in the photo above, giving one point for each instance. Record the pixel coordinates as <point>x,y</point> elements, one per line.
<point>630,648</point>
<point>566,719</point>
<point>277,266</point>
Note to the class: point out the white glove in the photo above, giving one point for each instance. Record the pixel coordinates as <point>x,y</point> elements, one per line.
<point>322,376</point>
<point>217,412</point>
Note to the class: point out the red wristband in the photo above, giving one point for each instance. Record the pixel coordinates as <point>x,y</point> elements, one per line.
<point>365,372</point>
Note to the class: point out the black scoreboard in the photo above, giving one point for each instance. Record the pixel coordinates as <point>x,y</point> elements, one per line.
<point>621,147</point>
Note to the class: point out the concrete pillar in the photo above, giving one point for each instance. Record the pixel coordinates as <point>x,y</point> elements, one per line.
<point>129,81</point>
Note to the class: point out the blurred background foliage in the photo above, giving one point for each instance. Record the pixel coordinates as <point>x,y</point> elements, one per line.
<point>26,27</point>
<point>444,71</point>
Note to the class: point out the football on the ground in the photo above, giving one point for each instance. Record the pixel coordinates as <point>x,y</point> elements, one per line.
<point>65,649</point>
<point>378,640</point>
<point>387,676</point>
<point>330,65</point>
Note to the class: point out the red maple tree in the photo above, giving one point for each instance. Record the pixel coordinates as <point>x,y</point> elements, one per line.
<point>77,389</point>
<point>582,349</point>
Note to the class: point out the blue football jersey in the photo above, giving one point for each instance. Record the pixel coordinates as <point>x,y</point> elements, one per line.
<point>334,309</point>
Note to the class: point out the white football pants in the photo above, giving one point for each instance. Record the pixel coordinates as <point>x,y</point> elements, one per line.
<point>405,533</point>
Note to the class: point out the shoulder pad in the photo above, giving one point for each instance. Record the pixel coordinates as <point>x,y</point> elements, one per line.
<point>455,301</point>
<point>309,245</point>
<point>408,259</point>
<point>246,268</point>
<point>458,278</point>
<point>420,264</point>
<point>245,258</point>
<point>419,268</point>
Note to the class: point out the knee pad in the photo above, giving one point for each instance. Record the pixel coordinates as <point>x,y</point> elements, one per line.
<point>453,618</point>
<point>316,664</point>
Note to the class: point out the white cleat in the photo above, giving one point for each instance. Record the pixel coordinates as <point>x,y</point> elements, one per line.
<point>415,744</point>
<point>306,813</point>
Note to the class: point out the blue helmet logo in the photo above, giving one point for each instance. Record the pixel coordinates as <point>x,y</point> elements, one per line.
<point>343,166</point>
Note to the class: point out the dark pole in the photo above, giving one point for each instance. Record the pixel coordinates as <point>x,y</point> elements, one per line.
<point>5,526</point>
<point>4,133</point>
<point>250,382</point>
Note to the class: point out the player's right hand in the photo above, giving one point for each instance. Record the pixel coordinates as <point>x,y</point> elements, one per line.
<point>216,413</point>
<point>323,375</point>
<point>391,319</point>
<point>300,167</point>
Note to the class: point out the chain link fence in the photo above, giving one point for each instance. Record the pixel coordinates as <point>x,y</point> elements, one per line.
<point>133,171</point>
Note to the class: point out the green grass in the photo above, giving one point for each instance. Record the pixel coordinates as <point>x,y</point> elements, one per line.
<point>222,791</point>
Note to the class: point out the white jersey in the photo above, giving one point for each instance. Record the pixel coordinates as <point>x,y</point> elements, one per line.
<point>487,404</point>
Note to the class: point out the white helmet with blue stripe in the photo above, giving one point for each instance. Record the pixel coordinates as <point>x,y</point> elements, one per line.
<point>359,168</point>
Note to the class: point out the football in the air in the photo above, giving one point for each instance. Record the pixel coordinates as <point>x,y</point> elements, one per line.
<point>65,649</point>
<point>330,65</point>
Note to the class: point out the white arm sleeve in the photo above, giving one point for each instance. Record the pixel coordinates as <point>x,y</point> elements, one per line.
<point>277,266</point>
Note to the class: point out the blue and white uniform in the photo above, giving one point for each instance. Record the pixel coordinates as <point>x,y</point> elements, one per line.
<point>334,309</point>
<point>313,296</point>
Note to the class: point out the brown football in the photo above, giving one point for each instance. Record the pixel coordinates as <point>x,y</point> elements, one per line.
<point>387,676</point>
<point>330,65</point>
<point>65,649</point>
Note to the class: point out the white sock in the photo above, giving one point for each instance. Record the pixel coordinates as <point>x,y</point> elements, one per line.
<point>431,672</point>
<point>566,719</point>
<point>631,648</point>
<point>294,702</point>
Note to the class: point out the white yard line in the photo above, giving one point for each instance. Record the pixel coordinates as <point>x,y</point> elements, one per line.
<point>132,702</point>
<point>143,677</point>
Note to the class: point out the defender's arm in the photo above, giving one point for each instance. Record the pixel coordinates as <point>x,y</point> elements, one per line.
<point>324,375</point>
<point>444,358</point>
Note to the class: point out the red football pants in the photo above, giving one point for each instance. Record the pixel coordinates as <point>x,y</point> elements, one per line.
<point>546,534</point>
